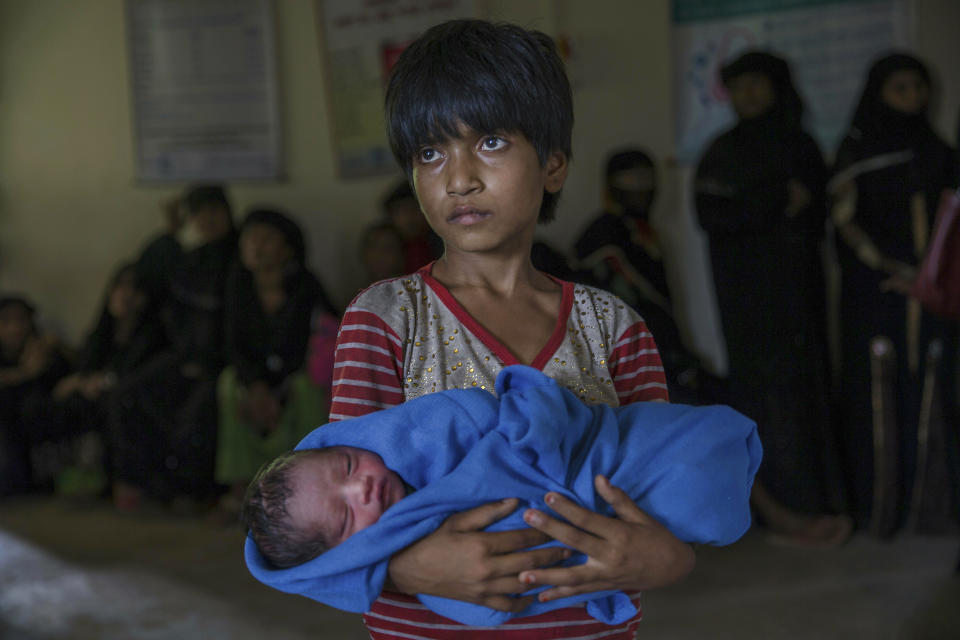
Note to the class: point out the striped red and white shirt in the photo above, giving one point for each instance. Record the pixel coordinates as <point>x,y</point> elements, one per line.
<point>406,337</point>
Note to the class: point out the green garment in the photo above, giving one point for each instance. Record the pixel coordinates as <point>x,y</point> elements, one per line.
<point>240,449</point>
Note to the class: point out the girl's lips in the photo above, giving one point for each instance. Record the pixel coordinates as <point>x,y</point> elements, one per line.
<point>465,215</point>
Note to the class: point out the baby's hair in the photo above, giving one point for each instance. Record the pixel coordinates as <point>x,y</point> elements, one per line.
<point>490,77</point>
<point>264,514</point>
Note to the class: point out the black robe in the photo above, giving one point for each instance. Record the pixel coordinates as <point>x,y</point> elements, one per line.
<point>890,158</point>
<point>611,259</point>
<point>163,419</point>
<point>770,290</point>
<point>269,347</point>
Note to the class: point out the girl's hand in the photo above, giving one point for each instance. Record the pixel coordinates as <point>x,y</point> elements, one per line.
<point>462,562</point>
<point>632,552</point>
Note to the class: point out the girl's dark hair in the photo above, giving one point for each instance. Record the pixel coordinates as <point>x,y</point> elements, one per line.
<point>265,516</point>
<point>490,77</point>
<point>99,342</point>
<point>205,196</point>
<point>627,159</point>
<point>17,301</point>
<point>284,224</point>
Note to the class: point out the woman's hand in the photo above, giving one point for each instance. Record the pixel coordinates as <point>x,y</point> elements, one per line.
<point>901,277</point>
<point>36,356</point>
<point>798,197</point>
<point>462,562</point>
<point>67,386</point>
<point>632,552</point>
<point>261,408</point>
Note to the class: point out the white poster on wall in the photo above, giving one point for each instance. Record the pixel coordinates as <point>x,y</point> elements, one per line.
<point>361,41</point>
<point>204,89</point>
<point>829,44</point>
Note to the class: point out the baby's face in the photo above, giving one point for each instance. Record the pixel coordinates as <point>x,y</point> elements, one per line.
<point>340,491</point>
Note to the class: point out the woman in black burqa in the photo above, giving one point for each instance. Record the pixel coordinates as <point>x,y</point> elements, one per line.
<point>760,197</point>
<point>890,171</point>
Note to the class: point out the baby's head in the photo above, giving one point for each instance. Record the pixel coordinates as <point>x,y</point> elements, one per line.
<point>489,77</point>
<point>306,502</point>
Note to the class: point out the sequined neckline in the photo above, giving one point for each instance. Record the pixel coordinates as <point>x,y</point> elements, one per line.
<point>487,338</point>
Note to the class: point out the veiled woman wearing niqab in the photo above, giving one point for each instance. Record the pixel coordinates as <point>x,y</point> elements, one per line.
<point>760,197</point>
<point>890,171</point>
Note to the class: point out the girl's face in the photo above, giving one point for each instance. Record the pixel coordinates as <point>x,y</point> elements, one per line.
<point>15,327</point>
<point>382,254</point>
<point>751,95</point>
<point>481,191</point>
<point>406,216</point>
<point>210,223</point>
<point>125,299</point>
<point>264,247</point>
<point>905,91</point>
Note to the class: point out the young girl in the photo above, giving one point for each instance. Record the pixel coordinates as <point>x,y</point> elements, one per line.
<point>126,335</point>
<point>31,363</point>
<point>480,118</point>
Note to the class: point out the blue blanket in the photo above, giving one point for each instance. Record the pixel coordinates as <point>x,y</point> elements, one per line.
<point>691,468</point>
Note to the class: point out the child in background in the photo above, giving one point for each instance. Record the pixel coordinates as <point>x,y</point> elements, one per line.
<point>420,244</point>
<point>381,252</point>
<point>125,336</point>
<point>480,118</point>
<point>31,363</point>
<point>347,483</point>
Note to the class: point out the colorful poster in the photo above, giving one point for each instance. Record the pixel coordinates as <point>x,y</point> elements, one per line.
<point>829,44</point>
<point>361,41</point>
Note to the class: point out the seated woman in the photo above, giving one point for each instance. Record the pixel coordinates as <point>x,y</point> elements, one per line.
<point>163,421</point>
<point>124,337</point>
<point>266,400</point>
<point>31,363</point>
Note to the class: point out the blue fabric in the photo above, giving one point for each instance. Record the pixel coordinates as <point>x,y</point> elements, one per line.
<point>691,468</point>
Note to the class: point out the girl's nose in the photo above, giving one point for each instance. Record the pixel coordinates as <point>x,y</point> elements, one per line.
<point>462,177</point>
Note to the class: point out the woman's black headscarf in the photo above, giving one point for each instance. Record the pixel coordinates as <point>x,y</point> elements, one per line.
<point>875,119</point>
<point>285,225</point>
<point>787,102</point>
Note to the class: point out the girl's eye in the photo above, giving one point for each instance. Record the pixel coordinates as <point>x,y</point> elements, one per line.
<point>427,155</point>
<point>491,143</point>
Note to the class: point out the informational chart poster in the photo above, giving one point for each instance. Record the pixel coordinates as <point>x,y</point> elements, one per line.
<point>830,45</point>
<point>204,86</point>
<point>361,40</point>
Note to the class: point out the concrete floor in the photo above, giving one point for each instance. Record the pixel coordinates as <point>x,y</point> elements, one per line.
<point>85,572</point>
